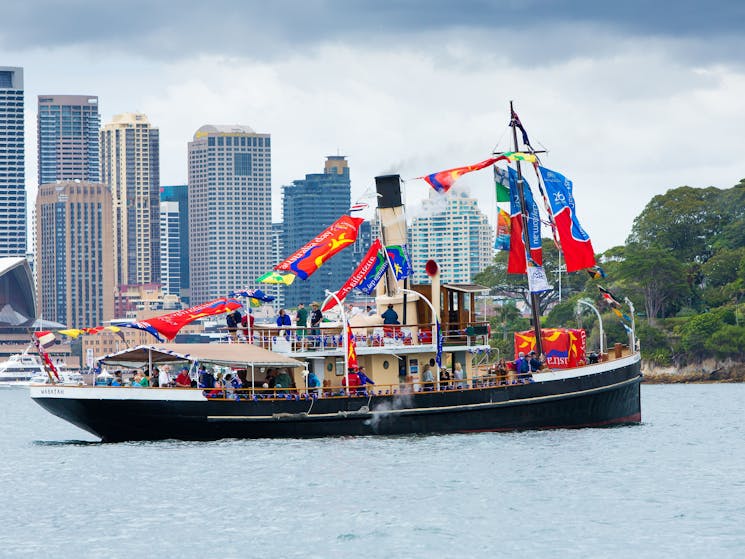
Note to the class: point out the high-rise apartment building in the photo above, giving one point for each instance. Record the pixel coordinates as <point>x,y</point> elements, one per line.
<point>458,237</point>
<point>68,138</point>
<point>170,248</point>
<point>229,210</point>
<point>130,163</point>
<point>75,269</point>
<point>309,206</point>
<point>12,175</point>
<point>177,197</point>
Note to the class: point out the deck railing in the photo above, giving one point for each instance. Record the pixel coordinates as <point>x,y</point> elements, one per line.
<point>306,339</point>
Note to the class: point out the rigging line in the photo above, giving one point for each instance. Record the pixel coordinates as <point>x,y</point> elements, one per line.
<point>501,136</point>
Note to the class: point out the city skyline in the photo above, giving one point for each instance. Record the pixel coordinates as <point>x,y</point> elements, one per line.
<point>622,97</point>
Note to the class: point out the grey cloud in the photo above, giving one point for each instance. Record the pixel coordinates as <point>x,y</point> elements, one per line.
<point>262,29</point>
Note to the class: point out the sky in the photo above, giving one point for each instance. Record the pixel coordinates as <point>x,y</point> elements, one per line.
<point>629,99</point>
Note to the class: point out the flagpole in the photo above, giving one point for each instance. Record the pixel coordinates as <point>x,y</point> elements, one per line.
<point>526,239</point>
<point>345,337</point>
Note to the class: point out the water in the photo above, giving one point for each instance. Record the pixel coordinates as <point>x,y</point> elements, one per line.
<point>672,487</point>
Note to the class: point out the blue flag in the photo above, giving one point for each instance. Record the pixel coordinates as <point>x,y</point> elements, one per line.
<point>397,254</point>
<point>438,357</point>
<point>367,285</point>
<point>144,326</point>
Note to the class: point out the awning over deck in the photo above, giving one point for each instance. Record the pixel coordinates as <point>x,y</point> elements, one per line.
<point>217,354</point>
<point>466,287</point>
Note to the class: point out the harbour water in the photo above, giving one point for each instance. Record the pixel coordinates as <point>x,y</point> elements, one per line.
<point>671,487</point>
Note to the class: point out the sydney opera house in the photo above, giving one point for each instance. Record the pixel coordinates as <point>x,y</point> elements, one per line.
<point>18,307</point>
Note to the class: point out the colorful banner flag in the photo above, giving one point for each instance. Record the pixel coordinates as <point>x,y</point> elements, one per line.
<point>609,297</point>
<point>360,273</point>
<point>563,347</point>
<point>575,242</point>
<point>277,278</point>
<point>45,339</point>
<point>517,262</point>
<point>71,332</point>
<point>145,327</point>
<point>502,185</point>
<point>358,207</point>
<point>504,226</point>
<point>443,180</point>
<point>333,239</point>
<point>257,294</point>
<point>351,349</point>
<point>370,281</point>
<point>168,325</point>
<point>596,272</point>
<point>398,257</point>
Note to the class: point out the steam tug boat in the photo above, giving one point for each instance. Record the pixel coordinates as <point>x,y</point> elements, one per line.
<point>437,325</point>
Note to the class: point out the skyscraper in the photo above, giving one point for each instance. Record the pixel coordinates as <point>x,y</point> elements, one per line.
<point>12,176</point>
<point>177,196</point>
<point>229,209</point>
<point>457,236</point>
<point>309,206</point>
<point>130,162</point>
<point>68,138</point>
<point>75,270</point>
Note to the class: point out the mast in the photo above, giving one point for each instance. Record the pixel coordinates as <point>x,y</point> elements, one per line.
<point>526,239</point>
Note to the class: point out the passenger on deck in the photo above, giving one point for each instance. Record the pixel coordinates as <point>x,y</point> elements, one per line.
<point>354,381</point>
<point>501,370</point>
<point>535,363</point>
<point>164,376</point>
<point>183,380</point>
<point>140,380</point>
<point>232,324</point>
<point>444,378</point>
<point>390,316</point>
<point>459,376</point>
<point>206,378</point>
<point>364,379</point>
<point>428,379</point>
<point>370,311</point>
<point>313,380</point>
<point>522,366</point>
<point>283,381</point>
<point>301,319</point>
<point>271,378</point>
<point>316,316</point>
<point>246,320</point>
<point>117,380</point>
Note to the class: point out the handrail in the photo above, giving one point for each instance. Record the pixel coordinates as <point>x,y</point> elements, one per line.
<point>304,338</point>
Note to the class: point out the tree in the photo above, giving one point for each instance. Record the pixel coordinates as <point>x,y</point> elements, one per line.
<point>656,275</point>
<point>684,221</point>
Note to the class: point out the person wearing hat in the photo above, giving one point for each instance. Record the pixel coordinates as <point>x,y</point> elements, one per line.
<point>316,316</point>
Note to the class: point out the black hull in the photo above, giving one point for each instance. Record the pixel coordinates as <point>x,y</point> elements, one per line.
<point>605,398</point>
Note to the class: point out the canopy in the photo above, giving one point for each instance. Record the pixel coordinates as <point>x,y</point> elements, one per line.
<point>466,287</point>
<point>217,354</point>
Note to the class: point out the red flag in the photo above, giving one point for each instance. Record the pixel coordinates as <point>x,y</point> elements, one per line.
<point>169,324</point>
<point>366,264</point>
<point>351,349</point>
<point>333,239</point>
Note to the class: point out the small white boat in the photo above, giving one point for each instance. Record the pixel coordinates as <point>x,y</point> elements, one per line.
<point>24,369</point>
<point>68,377</point>
<point>19,369</point>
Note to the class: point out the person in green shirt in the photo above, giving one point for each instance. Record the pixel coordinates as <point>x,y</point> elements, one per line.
<point>301,319</point>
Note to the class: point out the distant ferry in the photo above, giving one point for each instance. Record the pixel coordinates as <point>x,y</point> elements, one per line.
<point>24,369</point>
